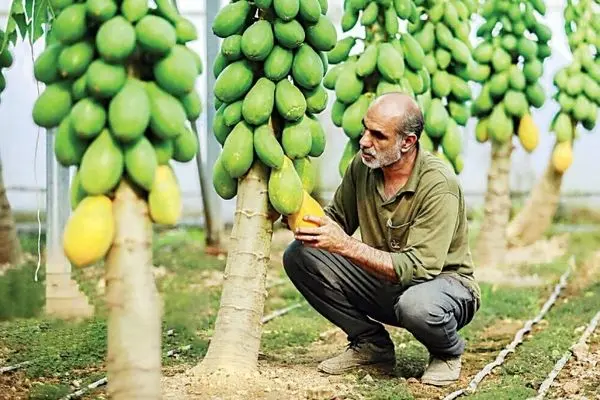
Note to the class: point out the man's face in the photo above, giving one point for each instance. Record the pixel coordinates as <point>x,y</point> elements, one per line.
<point>380,145</point>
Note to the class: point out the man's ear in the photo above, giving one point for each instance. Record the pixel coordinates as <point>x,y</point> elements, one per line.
<point>409,142</point>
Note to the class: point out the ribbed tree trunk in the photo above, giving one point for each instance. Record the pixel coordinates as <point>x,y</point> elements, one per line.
<point>10,247</point>
<point>536,215</point>
<point>236,340</point>
<point>491,240</point>
<point>133,361</point>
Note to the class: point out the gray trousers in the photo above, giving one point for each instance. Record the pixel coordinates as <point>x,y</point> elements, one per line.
<point>355,300</point>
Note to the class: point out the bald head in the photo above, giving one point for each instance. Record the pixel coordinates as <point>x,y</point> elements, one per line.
<point>398,111</point>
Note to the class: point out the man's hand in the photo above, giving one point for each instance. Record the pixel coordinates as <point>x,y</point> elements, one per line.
<point>328,235</point>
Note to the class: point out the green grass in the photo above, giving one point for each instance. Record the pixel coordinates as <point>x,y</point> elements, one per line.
<point>191,308</point>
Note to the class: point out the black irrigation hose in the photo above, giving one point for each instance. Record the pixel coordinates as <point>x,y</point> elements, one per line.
<point>518,339</point>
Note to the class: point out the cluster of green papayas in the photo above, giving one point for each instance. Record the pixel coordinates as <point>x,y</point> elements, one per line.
<point>390,61</point>
<point>511,58</point>
<point>268,88</point>
<point>6,61</point>
<point>578,84</point>
<point>120,89</point>
<point>443,33</point>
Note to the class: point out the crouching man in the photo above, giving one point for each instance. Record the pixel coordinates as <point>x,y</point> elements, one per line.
<point>413,267</point>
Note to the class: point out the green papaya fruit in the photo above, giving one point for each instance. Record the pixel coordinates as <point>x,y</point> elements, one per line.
<point>192,104</point>
<point>167,115</point>
<point>234,81</point>
<point>129,111</point>
<point>322,35</point>
<point>459,112</point>
<point>316,99</point>
<point>101,10</point>
<point>289,101</point>
<point>413,52</point>
<point>45,67</point>
<point>318,137</point>
<point>116,39</point>
<point>388,60</point>
<point>337,113</point>
<point>102,165</point>
<point>307,172</point>
<point>267,147</point>
<point>500,126</point>
<point>258,40</point>
<point>75,59</point>
<point>164,149</point>
<point>285,188</point>
<point>88,118</point>
<point>307,67</point>
<point>155,34</point>
<point>140,162</point>
<point>309,11</point>
<point>238,150</point>
<point>289,34</point>
<point>231,18</point>
<point>185,146</point>
<point>341,50</point>
<point>70,25</point>
<point>52,105</point>
<point>515,103</point>
<point>68,147</point>
<point>176,73</point>
<point>257,106</point>
<point>535,95</point>
<point>223,183</point>
<point>353,116</point>
<point>220,129</point>
<point>104,80</point>
<point>76,192</point>
<point>348,86</point>
<point>436,120</point>
<point>286,9</point>
<point>296,138</point>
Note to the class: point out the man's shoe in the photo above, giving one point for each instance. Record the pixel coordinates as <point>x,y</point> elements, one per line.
<point>357,355</point>
<point>442,371</point>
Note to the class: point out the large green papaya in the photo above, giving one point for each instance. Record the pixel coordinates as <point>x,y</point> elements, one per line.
<point>68,147</point>
<point>318,137</point>
<point>307,68</point>
<point>238,150</point>
<point>267,147</point>
<point>104,80</point>
<point>316,99</point>
<point>88,118</point>
<point>258,40</point>
<point>231,18</point>
<point>52,105</point>
<point>224,184</point>
<point>176,73</point>
<point>257,106</point>
<point>307,173</point>
<point>155,34</point>
<point>45,67</point>
<point>289,100</point>
<point>322,35</point>
<point>167,115</point>
<point>102,165</point>
<point>129,111</point>
<point>353,115</point>
<point>388,61</point>
<point>285,188</point>
<point>289,34</point>
<point>116,39</point>
<point>185,146</point>
<point>278,63</point>
<point>436,120</point>
<point>75,59</point>
<point>296,138</point>
<point>141,162</point>
<point>234,81</point>
<point>348,87</point>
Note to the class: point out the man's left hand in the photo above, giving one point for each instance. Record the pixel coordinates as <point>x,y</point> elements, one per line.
<point>328,235</point>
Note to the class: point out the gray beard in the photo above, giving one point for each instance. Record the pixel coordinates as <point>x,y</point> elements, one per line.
<point>384,159</point>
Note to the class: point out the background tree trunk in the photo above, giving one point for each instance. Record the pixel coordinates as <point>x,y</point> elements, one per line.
<point>133,360</point>
<point>236,340</point>
<point>536,215</point>
<point>491,240</point>
<point>10,247</point>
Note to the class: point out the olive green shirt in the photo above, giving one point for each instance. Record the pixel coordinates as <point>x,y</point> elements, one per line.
<point>423,226</point>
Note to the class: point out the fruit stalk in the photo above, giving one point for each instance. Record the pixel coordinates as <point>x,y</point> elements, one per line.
<point>133,361</point>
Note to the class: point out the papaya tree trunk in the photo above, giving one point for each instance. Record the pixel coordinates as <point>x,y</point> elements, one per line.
<point>133,361</point>
<point>491,241</point>
<point>536,215</point>
<point>10,247</point>
<point>235,343</point>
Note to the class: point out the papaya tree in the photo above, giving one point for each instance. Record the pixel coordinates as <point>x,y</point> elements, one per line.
<point>512,52</point>
<point>578,94</point>
<point>268,89</point>
<point>10,247</point>
<point>443,32</point>
<point>385,61</point>
<point>120,91</point>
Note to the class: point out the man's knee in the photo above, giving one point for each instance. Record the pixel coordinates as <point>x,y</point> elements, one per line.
<point>295,257</point>
<point>417,313</point>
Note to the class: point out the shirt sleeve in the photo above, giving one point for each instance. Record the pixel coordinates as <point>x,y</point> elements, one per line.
<point>428,240</point>
<point>343,208</point>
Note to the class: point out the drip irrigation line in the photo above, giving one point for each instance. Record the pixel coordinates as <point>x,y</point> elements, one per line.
<point>280,312</point>
<point>518,339</point>
<point>545,386</point>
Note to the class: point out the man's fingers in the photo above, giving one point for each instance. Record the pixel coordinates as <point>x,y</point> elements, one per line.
<point>314,219</point>
<point>308,230</point>
<point>306,238</point>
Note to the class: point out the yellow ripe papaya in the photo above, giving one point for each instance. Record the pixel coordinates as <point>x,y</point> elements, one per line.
<point>90,231</point>
<point>562,156</point>
<point>309,207</point>
<point>528,133</point>
<point>164,199</point>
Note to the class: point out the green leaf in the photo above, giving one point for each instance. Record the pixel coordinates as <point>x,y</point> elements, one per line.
<point>40,17</point>
<point>16,18</point>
